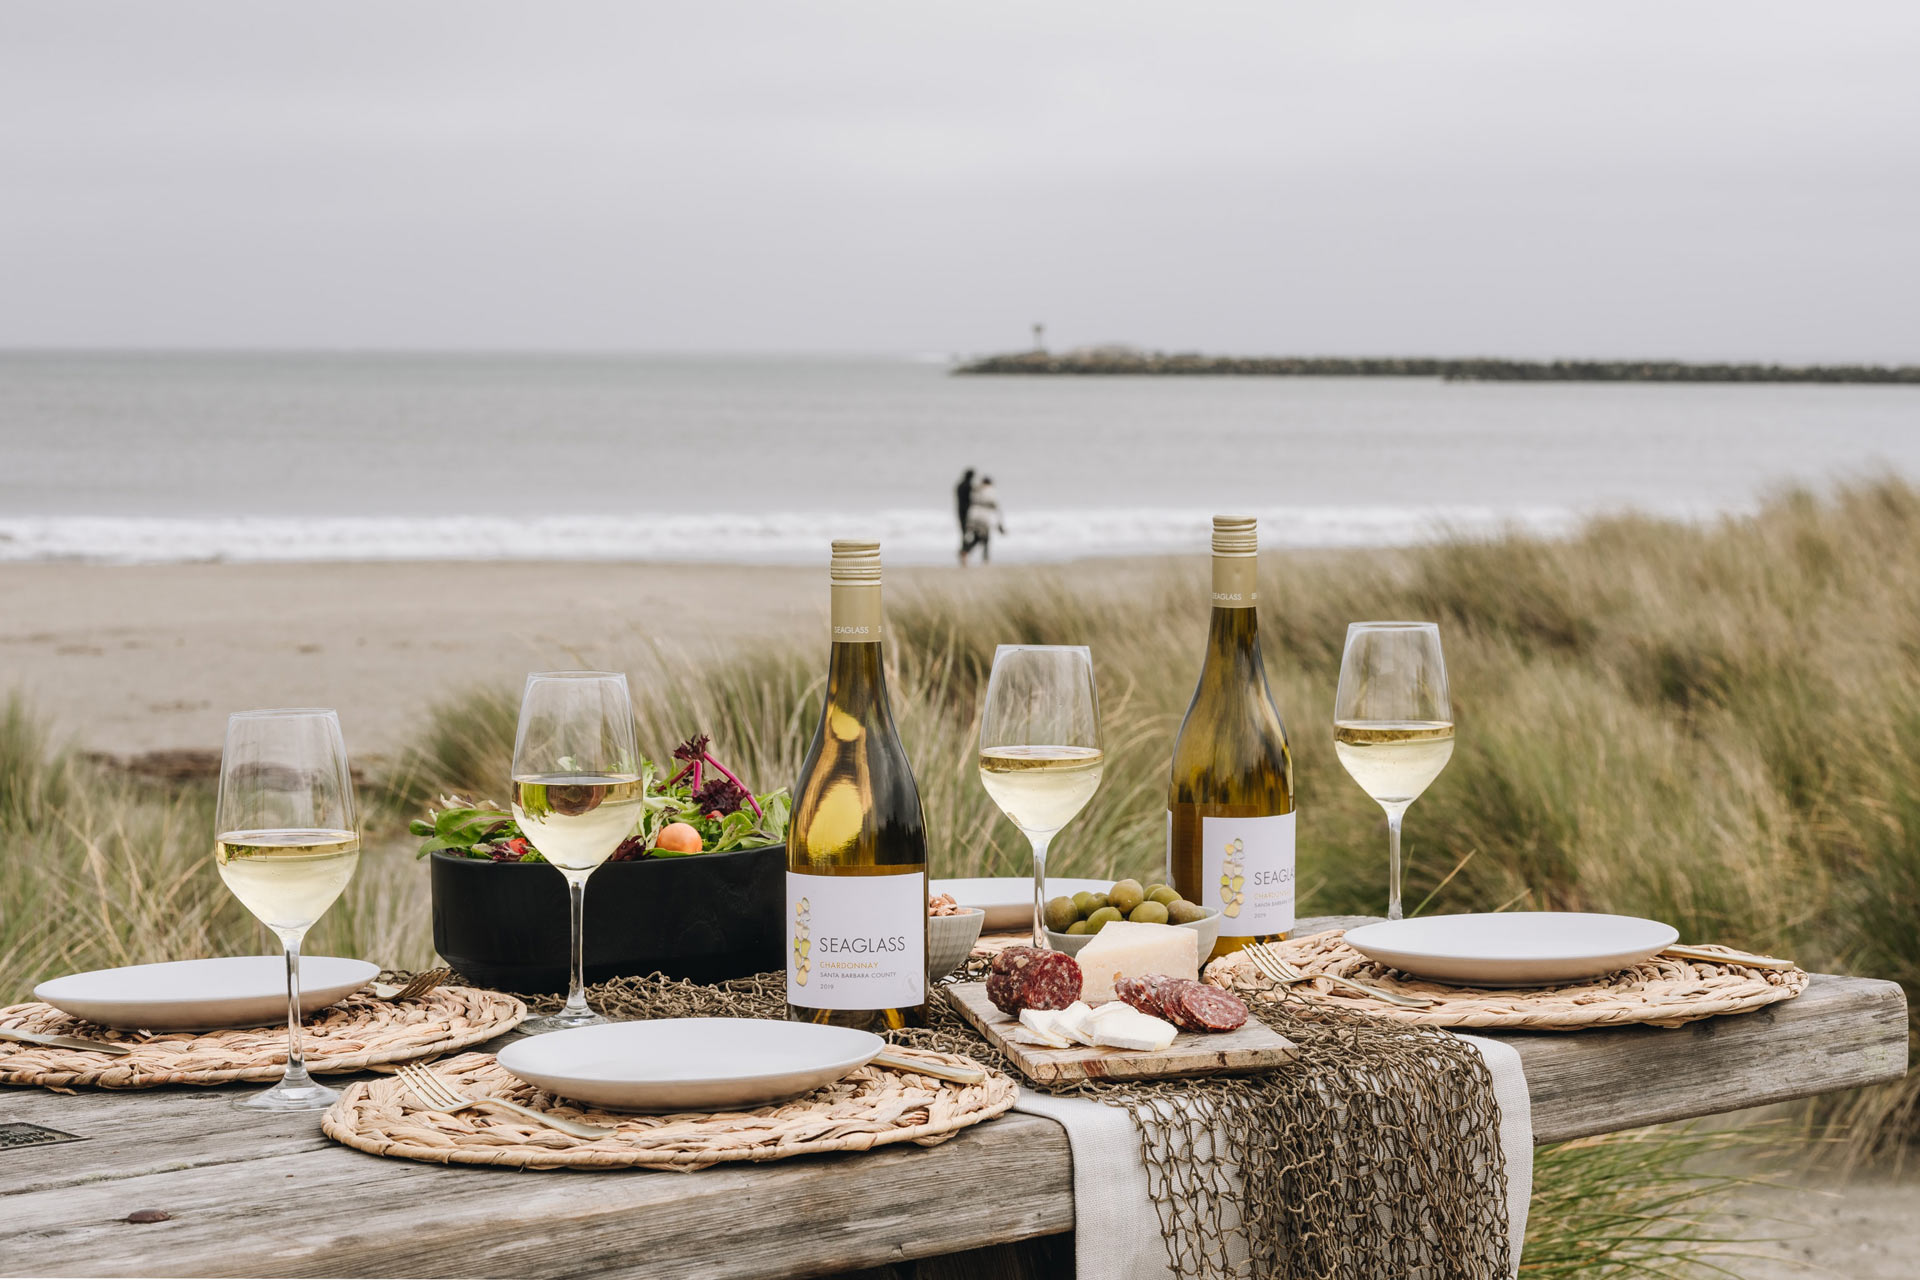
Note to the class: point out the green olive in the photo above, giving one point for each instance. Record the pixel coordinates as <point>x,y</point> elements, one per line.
<point>1149,913</point>
<point>1157,884</point>
<point>1060,913</point>
<point>1164,895</point>
<point>1184,912</point>
<point>1102,918</point>
<point>1126,895</point>
<point>1078,927</point>
<point>1084,905</point>
<point>1101,900</point>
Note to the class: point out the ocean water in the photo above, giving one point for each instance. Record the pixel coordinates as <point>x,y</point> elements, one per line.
<point>158,457</point>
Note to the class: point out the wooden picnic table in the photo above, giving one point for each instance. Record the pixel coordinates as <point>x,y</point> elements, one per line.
<point>268,1195</point>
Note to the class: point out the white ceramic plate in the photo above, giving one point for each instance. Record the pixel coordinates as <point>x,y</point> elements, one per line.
<point>203,995</point>
<point>1513,948</point>
<point>689,1064</point>
<point>1008,900</point>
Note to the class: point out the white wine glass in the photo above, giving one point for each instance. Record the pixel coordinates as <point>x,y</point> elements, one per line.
<point>1393,721</point>
<point>577,793</point>
<point>286,844</point>
<point>1040,756</point>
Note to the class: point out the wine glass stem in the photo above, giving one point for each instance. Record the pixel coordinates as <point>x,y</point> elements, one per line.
<point>577,975</point>
<point>1040,889</point>
<point>296,1073</point>
<point>1394,818</point>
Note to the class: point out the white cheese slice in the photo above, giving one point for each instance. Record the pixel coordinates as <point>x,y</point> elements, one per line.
<point>1072,1021</point>
<point>1042,1023</point>
<point>1124,949</point>
<point>1128,1028</point>
<point>1111,1009</point>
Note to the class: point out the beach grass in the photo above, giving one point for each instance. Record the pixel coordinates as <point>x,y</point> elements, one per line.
<point>106,869</point>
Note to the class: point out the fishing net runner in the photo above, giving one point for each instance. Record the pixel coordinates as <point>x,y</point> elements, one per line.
<point>1374,1156</point>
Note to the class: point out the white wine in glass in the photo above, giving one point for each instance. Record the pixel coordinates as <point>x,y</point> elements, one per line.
<point>577,793</point>
<point>286,846</point>
<point>1040,753</point>
<point>287,878</point>
<point>1393,763</point>
<point>1041,788</point>
<point>576,820</point>
<point>1393,722</point>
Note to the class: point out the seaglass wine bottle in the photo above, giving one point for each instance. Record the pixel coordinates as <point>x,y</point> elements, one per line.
<point>857,845</point>
<point>1230,799</point>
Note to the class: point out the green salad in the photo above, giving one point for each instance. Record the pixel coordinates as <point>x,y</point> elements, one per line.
<point>702,808</point>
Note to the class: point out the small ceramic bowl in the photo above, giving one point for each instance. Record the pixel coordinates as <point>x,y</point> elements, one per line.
<point>1207,926</point>
<point>950,940</point>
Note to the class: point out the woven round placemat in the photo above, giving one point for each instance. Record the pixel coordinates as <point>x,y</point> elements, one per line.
<point>359,1032</point>
<point>871,1107</point>
<point>1661,992</point>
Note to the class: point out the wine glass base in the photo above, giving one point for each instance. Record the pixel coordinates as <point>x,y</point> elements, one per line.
<point>300,1095</point>
<point>560,1022</point>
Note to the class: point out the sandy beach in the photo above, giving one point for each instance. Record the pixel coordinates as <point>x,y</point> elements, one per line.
<point>126,660</point>
<point>134,659</point>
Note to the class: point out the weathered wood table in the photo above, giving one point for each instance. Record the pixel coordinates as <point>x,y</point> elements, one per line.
<point>261,1195</point>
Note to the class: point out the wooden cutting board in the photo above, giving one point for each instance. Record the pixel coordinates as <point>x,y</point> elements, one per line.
<point>1254,1047</point>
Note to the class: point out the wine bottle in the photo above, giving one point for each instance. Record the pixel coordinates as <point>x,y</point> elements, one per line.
<point>857,842</point>
<point>1230,799</point>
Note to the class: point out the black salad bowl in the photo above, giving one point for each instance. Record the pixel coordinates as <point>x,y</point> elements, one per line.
<point>707,917</point>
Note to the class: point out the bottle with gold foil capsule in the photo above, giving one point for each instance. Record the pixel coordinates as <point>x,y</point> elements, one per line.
<point>1230,797</point>
<point>857,844</point>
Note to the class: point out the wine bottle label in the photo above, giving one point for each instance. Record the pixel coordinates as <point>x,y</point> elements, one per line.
<point>1234,585</point>
<point>856,613</point>
<point>856,942</point>
<point>1247,872</point>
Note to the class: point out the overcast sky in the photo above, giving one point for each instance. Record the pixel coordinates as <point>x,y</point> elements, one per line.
<point>1687,179</point>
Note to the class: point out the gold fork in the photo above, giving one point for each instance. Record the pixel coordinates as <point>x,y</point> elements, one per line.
<point>1727,955</point>
<point>415,987</point>
<point>441,1096</point>
<point>1283,972</point>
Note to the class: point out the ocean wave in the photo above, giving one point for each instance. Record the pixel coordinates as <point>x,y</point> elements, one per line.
<point>784,537</point>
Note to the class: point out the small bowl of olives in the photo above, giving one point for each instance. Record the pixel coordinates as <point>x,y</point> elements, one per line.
<point>1071,921</point>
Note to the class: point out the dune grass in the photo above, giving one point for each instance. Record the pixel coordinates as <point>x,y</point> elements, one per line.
<point>1718,725</point>
<point>103,869</point>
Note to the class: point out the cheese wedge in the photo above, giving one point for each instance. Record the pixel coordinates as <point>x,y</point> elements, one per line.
<point>1124,949</point>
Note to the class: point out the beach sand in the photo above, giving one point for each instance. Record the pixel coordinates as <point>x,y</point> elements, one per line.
<point>133,659</point>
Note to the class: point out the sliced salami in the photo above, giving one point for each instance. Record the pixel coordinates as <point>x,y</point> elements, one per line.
<point>1148,1000</point>
<point>1032,978</point>
<point>1194,1006</point>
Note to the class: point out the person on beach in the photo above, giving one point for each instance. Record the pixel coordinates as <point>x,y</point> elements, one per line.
<point>963,498</point>
<point>983,520</point>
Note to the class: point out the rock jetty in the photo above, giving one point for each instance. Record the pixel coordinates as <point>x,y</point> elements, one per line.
<point>1122,362</point>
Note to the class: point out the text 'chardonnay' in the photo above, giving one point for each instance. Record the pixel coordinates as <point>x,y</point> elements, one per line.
<point>857,843</point>
<point>1230,799</point>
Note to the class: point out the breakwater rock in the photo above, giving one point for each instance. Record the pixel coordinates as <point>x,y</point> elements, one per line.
<point>1110,362</point>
